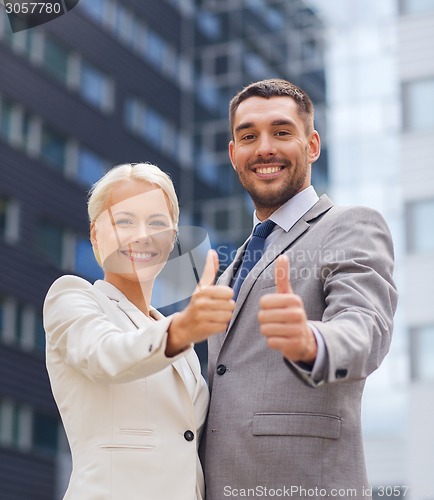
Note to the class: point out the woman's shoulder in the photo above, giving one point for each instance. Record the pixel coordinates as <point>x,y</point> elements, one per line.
<point>69,282</point>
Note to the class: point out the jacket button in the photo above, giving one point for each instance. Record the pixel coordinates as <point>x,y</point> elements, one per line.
<point>221,369</point>
<point>189,435</point>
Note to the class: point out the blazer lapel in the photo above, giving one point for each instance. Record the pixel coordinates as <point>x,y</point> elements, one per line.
<point>139,320</point>
<point>189,358</point>
<point>272,252</point>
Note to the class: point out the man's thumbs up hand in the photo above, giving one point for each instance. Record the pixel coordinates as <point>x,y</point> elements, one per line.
<point>209,311</point>
<point>283,319</point>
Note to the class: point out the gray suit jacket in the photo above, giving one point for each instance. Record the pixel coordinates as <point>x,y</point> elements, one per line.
<point>269,425</point>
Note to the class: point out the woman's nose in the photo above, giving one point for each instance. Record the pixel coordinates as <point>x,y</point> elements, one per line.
<point>143,234</point>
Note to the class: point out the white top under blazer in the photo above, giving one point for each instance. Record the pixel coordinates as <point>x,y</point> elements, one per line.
<point>132,415</point>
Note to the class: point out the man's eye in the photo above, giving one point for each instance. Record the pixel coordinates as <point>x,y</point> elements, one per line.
<point>282,133</point>
<point>247,137</point>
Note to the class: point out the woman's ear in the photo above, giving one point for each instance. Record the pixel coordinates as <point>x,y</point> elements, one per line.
<point>93,239</point>
<point>94,242</point>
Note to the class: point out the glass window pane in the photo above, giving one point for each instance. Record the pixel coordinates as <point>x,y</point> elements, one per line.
<point>155,127</point>
<point>421,216</point>
<point>53,148</point>
<point>39,334</point>
<point>156,48</point>
<point>50,242</point>
<point>96,9</point>
<point>3,216</point>
<point>56,59</point>
<point>1,316</point>
<point>425,353</point>
<point>85,263</point>
<point>94,86</point>
<point>417,6</point>
<point>5,119</point>
<point>419,103</point>
<point>45,433</point>
<point>91,167</point>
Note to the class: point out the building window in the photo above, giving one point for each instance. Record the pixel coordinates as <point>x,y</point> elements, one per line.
<point>96,87</point>
<point>422,352</point>
<point>85,262</point>
<point>416,6</point>
<point>55,59</point>
<point>9,220</point>
<point>27,429</point>
<point>21,325</point>
<point>124,24</point>
<point>49,240</point>
<point>96,9</point>
<point>15,425</point>
<point>53,148</point>
<point>151,125</point>
<point>419,217</point>
<point>90,166</point>
<point>39,334</point>
<point>210,25</point>
<point>418,104</point>
<point>45,433</point>
<point>15,124</point>
<point>6,112</point>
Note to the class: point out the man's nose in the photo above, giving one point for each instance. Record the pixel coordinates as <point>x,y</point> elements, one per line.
<point>265,146</point>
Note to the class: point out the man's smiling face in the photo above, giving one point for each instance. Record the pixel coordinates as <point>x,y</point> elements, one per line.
<point>271,151</point>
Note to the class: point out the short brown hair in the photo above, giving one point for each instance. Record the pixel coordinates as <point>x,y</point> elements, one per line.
<point>275,87</point>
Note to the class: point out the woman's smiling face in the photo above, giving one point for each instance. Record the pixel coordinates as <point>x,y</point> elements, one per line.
<point>135,234</point>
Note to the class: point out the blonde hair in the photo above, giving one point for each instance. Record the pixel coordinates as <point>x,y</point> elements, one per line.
<point>146,172</point>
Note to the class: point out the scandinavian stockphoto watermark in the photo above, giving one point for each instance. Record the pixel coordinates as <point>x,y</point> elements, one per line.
<point>24,15</point>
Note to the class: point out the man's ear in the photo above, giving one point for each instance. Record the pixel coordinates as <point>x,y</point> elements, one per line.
<point>314,149</point>
<point>231,154</point>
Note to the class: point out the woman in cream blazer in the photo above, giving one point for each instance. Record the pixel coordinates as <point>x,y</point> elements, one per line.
<point>126,380</point>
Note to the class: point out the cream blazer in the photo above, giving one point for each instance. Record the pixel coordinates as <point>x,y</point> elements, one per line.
<point>132,416</point>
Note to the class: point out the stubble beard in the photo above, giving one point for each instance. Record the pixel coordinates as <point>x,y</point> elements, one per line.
<point>275,197</point>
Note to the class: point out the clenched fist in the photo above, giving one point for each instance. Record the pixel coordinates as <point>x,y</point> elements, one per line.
<point>209,311</point>
<point>283,320</point>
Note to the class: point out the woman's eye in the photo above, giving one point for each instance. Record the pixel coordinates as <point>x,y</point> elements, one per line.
<point>159,223</point>
<point>124,222</point>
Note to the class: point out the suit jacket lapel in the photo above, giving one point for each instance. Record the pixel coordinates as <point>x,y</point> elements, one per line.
<point>270,255</point>
<point>140,320</point>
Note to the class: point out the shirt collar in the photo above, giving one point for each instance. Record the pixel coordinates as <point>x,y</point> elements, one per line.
<point>291,211</point>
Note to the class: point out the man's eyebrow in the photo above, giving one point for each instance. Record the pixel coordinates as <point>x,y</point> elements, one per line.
<point>283,121</point>
<point>275,123</point>
<point>243,126</point>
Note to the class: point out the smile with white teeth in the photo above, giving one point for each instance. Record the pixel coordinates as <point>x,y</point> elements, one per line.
<point>268,170</point>
<point>139,255</point>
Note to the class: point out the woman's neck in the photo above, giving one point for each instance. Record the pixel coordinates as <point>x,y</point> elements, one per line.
<point>137,292</point>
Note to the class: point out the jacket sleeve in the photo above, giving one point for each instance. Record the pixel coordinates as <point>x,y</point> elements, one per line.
<point>359,294</point>
<point>81,333</point>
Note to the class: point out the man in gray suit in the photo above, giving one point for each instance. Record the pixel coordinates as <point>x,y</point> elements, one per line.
<point>313,318</point>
